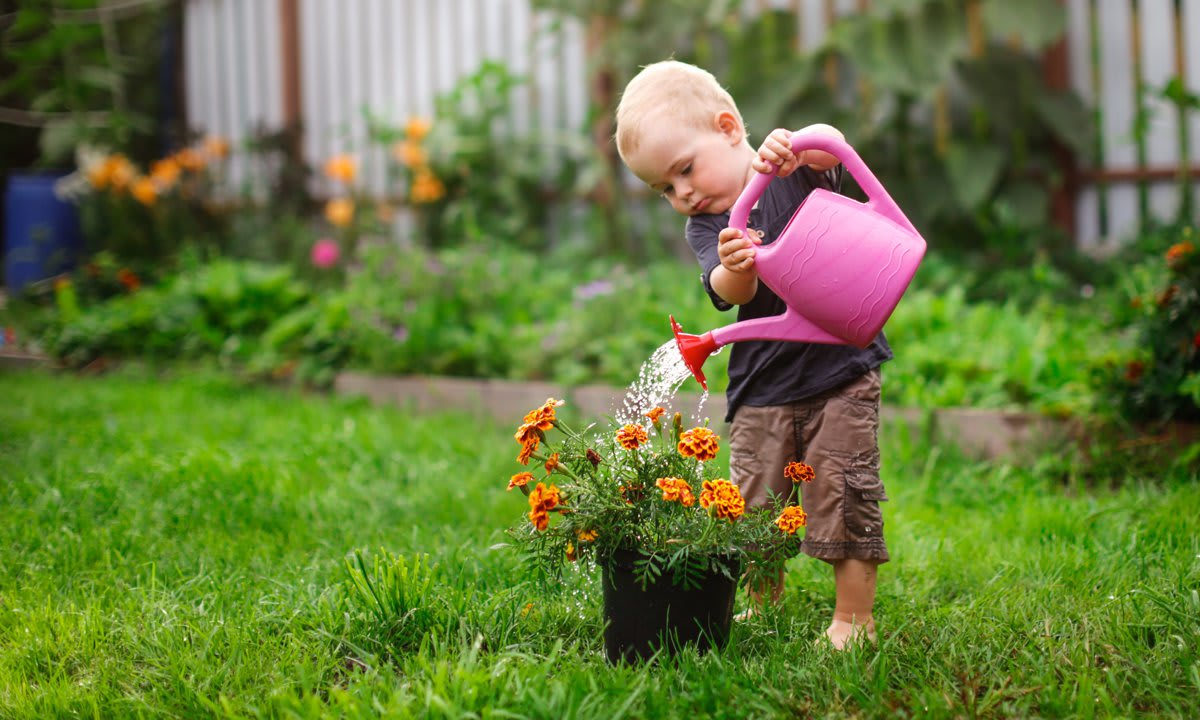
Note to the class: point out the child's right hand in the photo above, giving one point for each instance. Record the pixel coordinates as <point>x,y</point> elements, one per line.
<point>736,250</point>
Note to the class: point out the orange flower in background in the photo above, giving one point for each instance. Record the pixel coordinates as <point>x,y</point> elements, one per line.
<point>552,463</point>
<point>340,212</point>
<point>417,128</point>
<point>216,147</point>
<point>631,436</point>
<point>654,414</point>
<point>409,153</point>
<point>128,279</point>
<point>426,188</point>
<point>799,472</point>
<point>543,417</point>
<point>341,168</point>
<point>700,443</point>
<point>587,535</point>
<point>540,518</point>
<point>571,552</point>
<point>1179,251</point>
<point>115,172</point>
<point>144,191</point>
<point>521,479</point>
<point>528,448</point>
<point>189,159</point>
<point>792,519</point>
<point>722,499</point>
<point>165,172</point>
<point>676,490</point>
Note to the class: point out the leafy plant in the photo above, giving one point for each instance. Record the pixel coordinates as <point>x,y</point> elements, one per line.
<point>645,487</point>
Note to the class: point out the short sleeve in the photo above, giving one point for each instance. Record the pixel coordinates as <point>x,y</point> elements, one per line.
<point>702,232</point>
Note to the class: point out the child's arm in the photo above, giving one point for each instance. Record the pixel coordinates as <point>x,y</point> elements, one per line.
<point>776,151</point>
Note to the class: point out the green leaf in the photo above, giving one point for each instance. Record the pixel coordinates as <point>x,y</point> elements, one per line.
<point>973,170</point>
<point>1037,22</point>
<point>1068,119</point>
<point>1028,203</point>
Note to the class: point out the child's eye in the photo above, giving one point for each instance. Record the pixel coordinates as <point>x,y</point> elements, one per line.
<point>687,170</point>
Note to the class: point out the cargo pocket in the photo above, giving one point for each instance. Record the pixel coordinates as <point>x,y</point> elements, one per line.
<point>864,492</point>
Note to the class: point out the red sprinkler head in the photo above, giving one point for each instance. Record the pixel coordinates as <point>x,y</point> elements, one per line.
<point>695,349</point>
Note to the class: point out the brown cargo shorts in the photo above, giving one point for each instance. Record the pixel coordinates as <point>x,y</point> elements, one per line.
<point>837,434</point>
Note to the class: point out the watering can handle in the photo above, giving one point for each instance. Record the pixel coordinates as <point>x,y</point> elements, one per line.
<point>878,198</point>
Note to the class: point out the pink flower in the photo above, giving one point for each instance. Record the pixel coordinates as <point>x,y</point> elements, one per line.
<point>325,253</point>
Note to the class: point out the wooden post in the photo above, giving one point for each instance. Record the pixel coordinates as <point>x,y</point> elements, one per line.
<point>602,89</point>
<point>1056,74</point>
<point>289,31</point>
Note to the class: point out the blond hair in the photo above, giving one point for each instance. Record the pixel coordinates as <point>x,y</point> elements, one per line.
<point>683,93</point>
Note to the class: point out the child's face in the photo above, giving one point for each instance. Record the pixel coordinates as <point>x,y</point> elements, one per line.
<point>701,172</point>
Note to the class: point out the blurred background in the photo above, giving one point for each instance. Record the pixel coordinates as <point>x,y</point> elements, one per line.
<point>297,186</point>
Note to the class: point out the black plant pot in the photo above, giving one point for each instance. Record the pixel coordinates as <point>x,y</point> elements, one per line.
<point>640,622</point>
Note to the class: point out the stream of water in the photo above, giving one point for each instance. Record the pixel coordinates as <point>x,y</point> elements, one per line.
<point>658,380</point>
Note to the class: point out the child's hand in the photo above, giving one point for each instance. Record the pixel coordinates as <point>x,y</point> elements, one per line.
<point>735,250</point>
<point>776,152</point>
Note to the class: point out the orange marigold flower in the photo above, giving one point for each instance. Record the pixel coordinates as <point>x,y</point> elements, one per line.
<point>189,159</point>
<point>144,191</point>
<point>654,414</point>
<point>216,147</point>
<point>552,463</point>
<point>528,449</point>
<point>799,472</point>
<point>571,552</point>
<point>340,212</point>
<point>521,479</point>
<point>128,279</point>
<point>722,499</point>
<point>700,443</point>
<point>545,497</point>
<point>632,436</point>
<point>587,535</point>
<point>426,187</point>
<point>417,128</point>
<point>543,417</point>
<point>409,153</point>
<point>1179,251</point>
<point>540,518</point>
<point>341,168</point>
<point>792,519</point>
<point>676,490</point>
<point>165,172</point>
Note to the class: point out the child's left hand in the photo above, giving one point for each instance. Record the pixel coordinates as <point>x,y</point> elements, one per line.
<point>775,155</point>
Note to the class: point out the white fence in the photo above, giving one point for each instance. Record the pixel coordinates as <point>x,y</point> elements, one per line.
<point>393,57</point>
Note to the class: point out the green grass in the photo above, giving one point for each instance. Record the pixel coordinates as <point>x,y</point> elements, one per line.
<point>185,546</point>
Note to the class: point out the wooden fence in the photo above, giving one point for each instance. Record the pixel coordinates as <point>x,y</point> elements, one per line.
<point>267,63</point>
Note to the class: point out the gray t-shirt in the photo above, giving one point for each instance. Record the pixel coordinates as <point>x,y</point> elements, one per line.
<point>766,372</point>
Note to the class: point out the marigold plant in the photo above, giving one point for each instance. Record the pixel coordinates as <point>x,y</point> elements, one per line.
<point>651,488</point>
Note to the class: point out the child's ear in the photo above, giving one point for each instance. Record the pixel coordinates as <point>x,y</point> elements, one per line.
<point>730,126</point>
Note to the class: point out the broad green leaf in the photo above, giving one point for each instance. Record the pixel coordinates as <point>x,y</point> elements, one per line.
<point>1037,23</point>
<point>973,170</point>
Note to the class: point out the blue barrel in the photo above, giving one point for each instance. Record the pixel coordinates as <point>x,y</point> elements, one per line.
<point>41,232</point>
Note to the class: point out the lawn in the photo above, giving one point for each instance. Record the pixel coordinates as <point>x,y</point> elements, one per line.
<point>182,545</point>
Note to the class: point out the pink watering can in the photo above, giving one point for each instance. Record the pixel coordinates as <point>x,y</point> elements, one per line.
<point>840,266</point>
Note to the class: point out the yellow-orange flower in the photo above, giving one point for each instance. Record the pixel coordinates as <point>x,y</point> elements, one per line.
<point>165,172</point>
<point>143,191</point>
<point>571,556</point>
<point>543,417</point>
<point>128,279</point>
<point>521,479</point>
<point>341,168</point>
<point>631,436</point>
<point>189,159</point>
<point>792,519</point>
<point>114,171</point>
<point>528,448</point>
<point>722,499</point>
<point>426,187</point>
<point>676,490</point>
<point>654,414</point>
<point>417,128</point>
<point>799,472</point>
<point>216,147</point>
<point>587,535</point>
<point>699,442</point>
<point>409,153</point>
<point>540,518</point>
<point>340,212</point>
<point>552,463</point>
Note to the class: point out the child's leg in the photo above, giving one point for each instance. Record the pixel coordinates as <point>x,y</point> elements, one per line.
<point>852,614</point>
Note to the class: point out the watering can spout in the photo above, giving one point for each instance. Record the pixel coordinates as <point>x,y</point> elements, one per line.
<point>695,349</point>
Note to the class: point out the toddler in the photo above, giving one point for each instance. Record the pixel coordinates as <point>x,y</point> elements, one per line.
<point>681,133</point>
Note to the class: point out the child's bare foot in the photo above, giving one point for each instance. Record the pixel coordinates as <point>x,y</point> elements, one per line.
<point>842,634</point>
